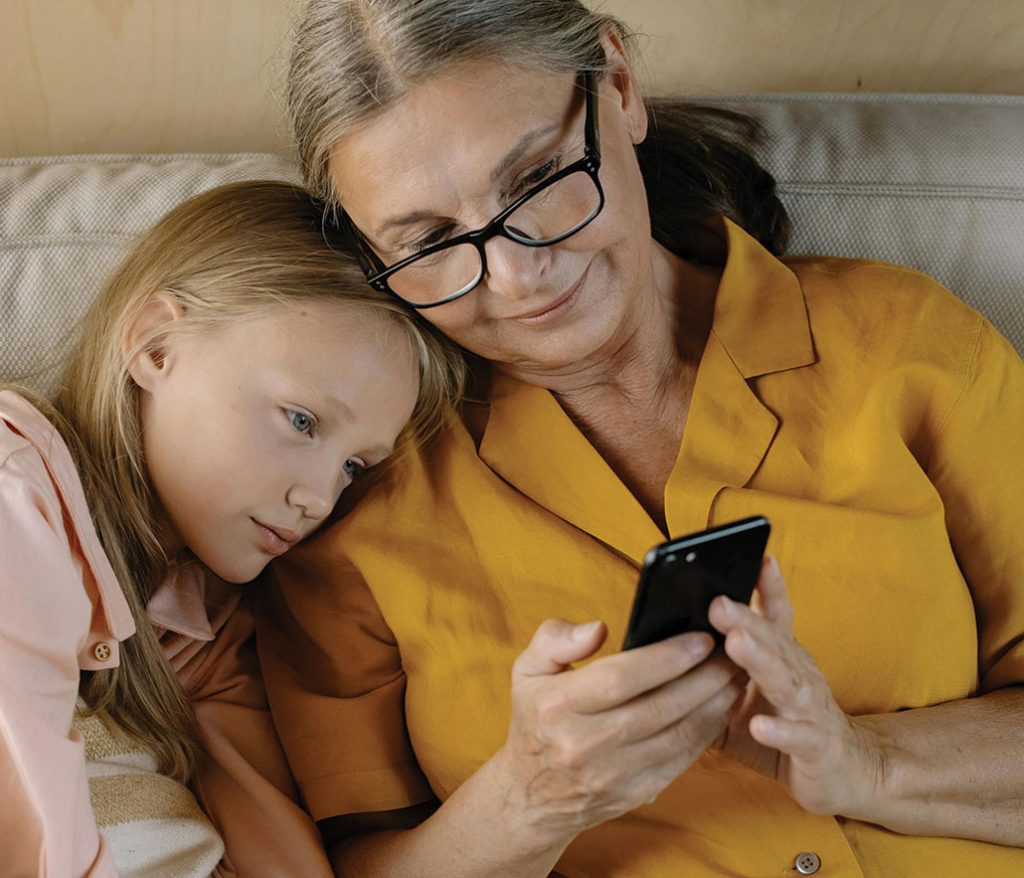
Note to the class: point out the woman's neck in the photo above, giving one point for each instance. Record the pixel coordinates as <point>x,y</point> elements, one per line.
<point>655,353</point>
<point>632,401</point>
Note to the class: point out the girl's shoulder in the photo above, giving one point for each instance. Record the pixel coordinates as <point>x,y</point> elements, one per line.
<point>44,509</point>
<point>34,459</point>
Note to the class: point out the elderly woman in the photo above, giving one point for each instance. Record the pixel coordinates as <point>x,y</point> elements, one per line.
<point>441,716</point>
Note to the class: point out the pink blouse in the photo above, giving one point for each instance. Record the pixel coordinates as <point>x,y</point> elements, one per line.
<point>61,612</point>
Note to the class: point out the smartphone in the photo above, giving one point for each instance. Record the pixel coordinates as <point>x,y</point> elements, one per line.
<point>681,577</point>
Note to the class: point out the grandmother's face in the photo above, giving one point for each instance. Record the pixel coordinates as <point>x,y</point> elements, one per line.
<point>456,151</point>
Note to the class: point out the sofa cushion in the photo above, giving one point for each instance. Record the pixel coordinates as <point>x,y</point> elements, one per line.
<point>935,182</point>
<point>64,224</point>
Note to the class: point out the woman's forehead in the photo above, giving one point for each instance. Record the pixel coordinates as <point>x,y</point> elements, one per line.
<point>467,126</point>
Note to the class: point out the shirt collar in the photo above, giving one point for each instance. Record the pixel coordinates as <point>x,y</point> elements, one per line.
<point>179,603</point>
<point>760,314</point>
<point>760,326</point>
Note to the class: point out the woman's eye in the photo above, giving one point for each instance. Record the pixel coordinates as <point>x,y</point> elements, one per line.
<point>538,175</point>
<point>435,237</point>
<point>354,467</point>
<point>303,423</point>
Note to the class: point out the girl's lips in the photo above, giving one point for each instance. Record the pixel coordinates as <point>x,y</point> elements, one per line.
<point>274,541</point>
<point>551,312</point>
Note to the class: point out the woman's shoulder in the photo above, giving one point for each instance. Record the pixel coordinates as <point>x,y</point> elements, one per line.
<point>871,279</point>
<point>889,311</point>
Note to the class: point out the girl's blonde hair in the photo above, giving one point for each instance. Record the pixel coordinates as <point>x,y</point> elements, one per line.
<point>231,253</point>
<point>353,59</point>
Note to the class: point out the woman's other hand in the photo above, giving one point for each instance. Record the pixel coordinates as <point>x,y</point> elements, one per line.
<point>588,744</point>
<point>789,725</point>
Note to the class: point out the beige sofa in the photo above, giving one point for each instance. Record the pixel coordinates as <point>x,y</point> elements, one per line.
<point>931,181</point>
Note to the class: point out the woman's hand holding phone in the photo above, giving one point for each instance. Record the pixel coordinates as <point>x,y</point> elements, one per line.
<point>588,744</point>
<point>789,725</point>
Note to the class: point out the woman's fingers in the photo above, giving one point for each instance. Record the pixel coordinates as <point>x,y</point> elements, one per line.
<point>824,759</point>
<point>799,739</point>
<point>672,749</point>
<point>616,679</point>
<point>773,598</point>
<point>668,705</point>
<point>555,645</point>
<point>783,671</point>
<point>588,743</point>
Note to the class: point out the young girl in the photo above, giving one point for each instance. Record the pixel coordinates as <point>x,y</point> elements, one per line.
<point>231,381</point>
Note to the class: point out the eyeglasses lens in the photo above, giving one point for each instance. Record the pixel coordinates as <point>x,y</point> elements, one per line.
<point>549,215</point>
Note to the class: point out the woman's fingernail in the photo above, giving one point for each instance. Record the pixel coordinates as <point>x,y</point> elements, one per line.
<point>587,629</point>
<point>699,646</point>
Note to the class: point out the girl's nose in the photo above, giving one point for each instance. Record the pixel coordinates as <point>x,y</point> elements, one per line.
<point>313,503</point>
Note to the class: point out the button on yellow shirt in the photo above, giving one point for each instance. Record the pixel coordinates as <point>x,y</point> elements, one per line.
<point>872,417</point>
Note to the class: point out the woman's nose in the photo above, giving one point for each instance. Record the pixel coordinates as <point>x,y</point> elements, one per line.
<point>514,270</point>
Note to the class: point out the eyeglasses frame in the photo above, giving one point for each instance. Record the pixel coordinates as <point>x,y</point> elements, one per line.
<point>377,273</point>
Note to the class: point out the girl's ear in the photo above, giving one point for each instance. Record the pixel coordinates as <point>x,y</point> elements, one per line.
<point>627,93</point>
<point>154,315</point>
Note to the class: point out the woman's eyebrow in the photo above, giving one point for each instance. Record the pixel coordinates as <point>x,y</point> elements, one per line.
<point>406,219</point>
<point>517,152</point>
<point>502,168</point>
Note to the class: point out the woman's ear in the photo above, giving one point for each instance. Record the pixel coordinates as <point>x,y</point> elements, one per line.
<point>148,365</point>
<point>624,81</point>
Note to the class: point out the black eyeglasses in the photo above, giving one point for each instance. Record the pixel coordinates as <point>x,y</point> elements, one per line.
<point>550,212</point>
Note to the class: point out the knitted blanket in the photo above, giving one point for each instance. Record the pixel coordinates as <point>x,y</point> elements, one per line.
<point>152,823</point>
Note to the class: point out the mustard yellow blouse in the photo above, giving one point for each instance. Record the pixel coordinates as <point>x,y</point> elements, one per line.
<point>874,418</point>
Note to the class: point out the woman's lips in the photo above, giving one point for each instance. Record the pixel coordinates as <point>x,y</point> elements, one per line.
<point>556,309</point>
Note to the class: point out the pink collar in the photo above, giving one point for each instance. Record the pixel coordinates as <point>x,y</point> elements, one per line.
<point>179,603</point>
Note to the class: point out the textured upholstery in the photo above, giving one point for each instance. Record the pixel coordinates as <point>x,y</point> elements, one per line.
<point>935,182</point>
<point>65,222</point>
<point>931,181</point>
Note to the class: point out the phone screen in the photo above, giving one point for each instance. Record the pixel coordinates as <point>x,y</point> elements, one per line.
<point>682,576</point>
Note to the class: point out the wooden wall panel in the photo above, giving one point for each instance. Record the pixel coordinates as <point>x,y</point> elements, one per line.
<point>204,75</point>
<point>831,45</point>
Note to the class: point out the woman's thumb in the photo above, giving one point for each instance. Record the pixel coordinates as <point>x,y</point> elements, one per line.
<point>556,645</point>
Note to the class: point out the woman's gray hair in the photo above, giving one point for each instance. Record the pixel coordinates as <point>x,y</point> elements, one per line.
<point>353,59</point>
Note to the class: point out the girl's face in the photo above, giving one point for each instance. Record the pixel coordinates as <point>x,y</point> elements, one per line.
<point>455,151</point>
<point>252,430</point>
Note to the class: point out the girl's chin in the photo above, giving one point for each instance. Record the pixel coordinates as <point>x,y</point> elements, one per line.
<point>235,571</point>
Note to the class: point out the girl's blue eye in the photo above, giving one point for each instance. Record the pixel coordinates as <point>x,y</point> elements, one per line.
<point>354,467</point>
<point>302,422</point>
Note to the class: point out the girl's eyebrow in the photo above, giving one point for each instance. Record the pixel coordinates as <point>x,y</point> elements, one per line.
<point>337,407</point>
<point>502,168</point>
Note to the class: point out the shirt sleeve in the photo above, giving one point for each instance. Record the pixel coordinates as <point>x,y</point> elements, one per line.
<point>47,826</point>
<point>977,464</point>
<point>244,783</point>
<point>336,685</point>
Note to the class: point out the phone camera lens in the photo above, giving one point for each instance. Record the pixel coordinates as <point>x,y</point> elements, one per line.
<point>691,556</point>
